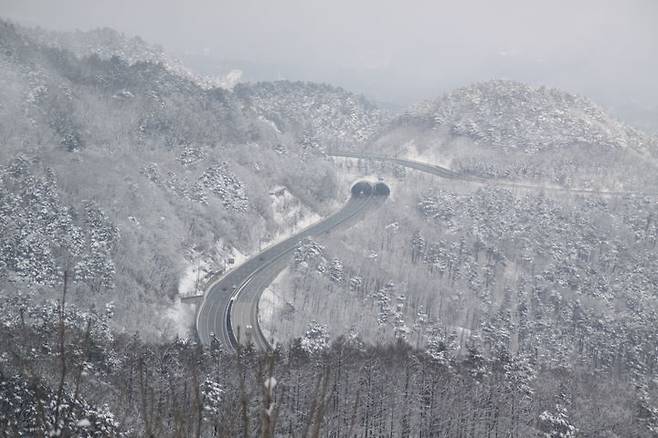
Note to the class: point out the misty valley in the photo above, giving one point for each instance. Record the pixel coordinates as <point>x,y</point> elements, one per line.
<point>189,255</point>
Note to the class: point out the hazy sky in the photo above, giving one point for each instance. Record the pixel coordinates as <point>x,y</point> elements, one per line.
<point>398,51</point>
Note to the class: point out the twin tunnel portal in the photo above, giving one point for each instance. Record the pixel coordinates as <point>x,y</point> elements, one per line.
<point>231,303</point>
<point>365,188</point>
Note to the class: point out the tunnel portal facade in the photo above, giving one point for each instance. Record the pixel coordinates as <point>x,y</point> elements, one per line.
<point>365,188</point>
<point>381,189</point>
<point>361,189</point>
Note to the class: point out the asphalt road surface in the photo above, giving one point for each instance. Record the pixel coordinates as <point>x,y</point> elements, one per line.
<point>423,167</point>
<point>450,174</point>
<point>229,310</point>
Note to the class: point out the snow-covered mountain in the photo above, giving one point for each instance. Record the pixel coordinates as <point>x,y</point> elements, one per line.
<point>320,115</point>
<point>514,116</point>
<point>509,130</point>
<point>182,172</point>
<point>107,43</point>
<point>141,182</point>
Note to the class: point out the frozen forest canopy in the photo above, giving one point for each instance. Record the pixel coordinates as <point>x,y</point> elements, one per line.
<point>518,297</point>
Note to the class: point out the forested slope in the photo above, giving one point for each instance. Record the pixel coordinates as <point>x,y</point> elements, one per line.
<point>181,172</point>
<point>513,131</point>
<point>320,116</point>
<point>459,309</point>
<point>118,385</point>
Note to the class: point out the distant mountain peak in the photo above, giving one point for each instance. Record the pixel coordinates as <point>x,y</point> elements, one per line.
<point>511,115</point>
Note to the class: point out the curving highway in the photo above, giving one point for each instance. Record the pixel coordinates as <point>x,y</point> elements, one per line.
<point>423,167</point>
<point>229,310</point>
<point>451,174</point>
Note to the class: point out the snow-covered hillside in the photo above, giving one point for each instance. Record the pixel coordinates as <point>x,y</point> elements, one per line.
<point>107,43</point>
<point>514,116</point>
<point>319,114</point>
<point>173,167</point>
<point>453,307</point>
<point>513,131</point>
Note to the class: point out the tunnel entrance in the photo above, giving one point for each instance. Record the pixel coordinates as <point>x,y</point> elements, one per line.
<point>362,188</point>
<point>381,189</point>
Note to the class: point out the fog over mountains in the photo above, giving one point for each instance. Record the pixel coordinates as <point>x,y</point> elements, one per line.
<point>497,276</point>
<point>398,53</point>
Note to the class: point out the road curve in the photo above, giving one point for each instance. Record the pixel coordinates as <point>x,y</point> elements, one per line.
<point>451,174</point>
<point>229,310</point>
<point>423,167</point>
<point>230,307</point>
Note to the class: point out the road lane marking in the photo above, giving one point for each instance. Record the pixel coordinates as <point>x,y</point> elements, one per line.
<point>207,312</point>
